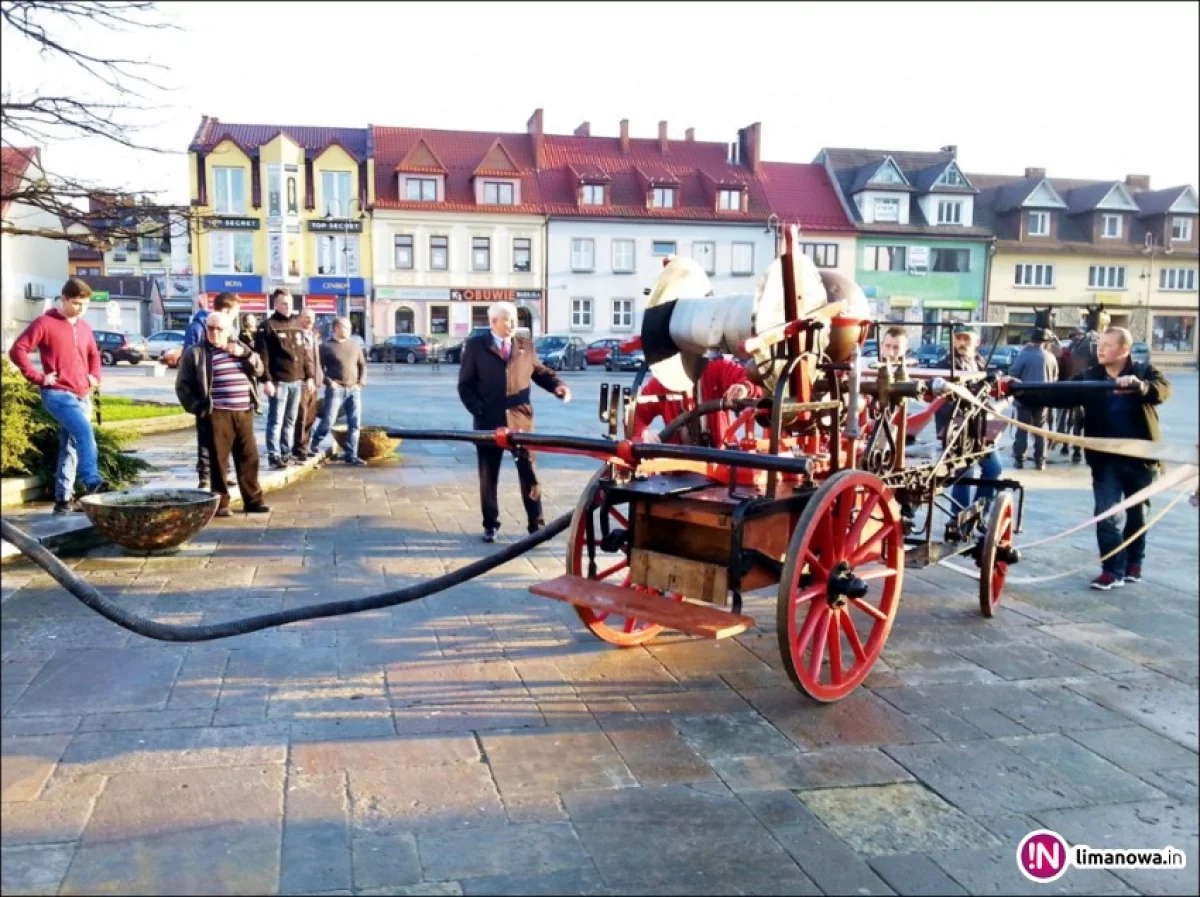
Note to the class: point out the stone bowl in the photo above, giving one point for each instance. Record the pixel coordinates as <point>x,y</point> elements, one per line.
<point>150,519</point>
<point>373,442</point>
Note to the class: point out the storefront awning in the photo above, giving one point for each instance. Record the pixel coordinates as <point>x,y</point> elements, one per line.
<point>252,303</point>
<point>321,303</point>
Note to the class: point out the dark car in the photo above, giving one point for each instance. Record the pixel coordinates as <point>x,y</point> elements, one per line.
<point>932,355</point>
<point>404,347</point>
<point>1140,353</point>
<point>561,353</point>
<point>598,352</point>
<point>453,354</point>
<point>1003,357</point>
<point>625,361</point>
<point>115,346</point>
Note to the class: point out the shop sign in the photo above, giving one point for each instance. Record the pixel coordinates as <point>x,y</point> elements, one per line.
<point>1108,298</point>
<point>225,222</point>
<point>493,294</point>
<point>951,304</point>
<point>412,294</point>
<point>330,226</point>
<point>323,304</point>
<point>227,283</point>
<point>354,285</point>
<point>901,301</point>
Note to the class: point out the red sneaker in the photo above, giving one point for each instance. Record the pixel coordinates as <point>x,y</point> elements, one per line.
<point>1134,573</point>
<point>1106,581</point>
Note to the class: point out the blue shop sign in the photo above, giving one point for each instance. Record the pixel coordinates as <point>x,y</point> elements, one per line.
<point>355,285</point>
<point>233,283</point>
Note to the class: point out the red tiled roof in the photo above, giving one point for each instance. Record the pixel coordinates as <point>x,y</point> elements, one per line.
<point>461,152</point>
<point>803,194</point>
<point>586,173</point>
<point>315,140</point>
<point>14,162</point>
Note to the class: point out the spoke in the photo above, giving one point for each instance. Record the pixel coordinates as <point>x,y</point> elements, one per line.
<point>868,508</point>
<point>835,650</point>
<point>819,569</point>
<point>604,574</point>
<point>630,624</point>
<point>601,615</point>
<point>864,551</point>
<point>809,594</point>
<point>818,650</point>
<point>619,516</point>
<point>882,573</point>
<point>869,609</point>
<point>852,637</point>
<point>815,612</point>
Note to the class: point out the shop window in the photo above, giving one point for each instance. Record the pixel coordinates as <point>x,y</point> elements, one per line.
<point>439,320</point>
<point>1173,333</point>
<point>479,316</point>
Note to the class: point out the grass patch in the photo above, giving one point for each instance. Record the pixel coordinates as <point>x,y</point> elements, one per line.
<point>118,408</point>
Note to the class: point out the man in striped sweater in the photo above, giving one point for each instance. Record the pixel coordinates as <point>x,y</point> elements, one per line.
<point>218,380</point>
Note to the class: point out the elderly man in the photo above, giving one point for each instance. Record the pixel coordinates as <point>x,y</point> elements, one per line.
<point>345,372</point>
<point>1033,364</point>
<point>288,372</point>
<point>307,415</point>
<point>218,381</point>
<point>493,384</point>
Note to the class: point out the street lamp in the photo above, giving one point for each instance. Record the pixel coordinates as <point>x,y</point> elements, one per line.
<point>774,224</point>
<point>1151,249</point>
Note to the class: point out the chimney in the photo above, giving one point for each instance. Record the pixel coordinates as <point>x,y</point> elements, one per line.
<point>534,127</point>
<point>952,149</point>
<point>689,135</point>
<point>624,135</point>
<point>662,136</point>
<point>584,130</point>
<point>749,146</point>
<point>1035,172</point>
<point>1137,181</point>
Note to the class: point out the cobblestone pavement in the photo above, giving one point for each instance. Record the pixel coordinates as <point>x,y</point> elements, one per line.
<point>481,741</point>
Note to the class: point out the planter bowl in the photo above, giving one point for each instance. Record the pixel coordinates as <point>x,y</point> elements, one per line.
<point>373,442</point>
<point>150,519</point>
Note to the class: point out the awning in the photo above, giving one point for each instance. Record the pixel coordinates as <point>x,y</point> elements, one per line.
<point>252,303</point>
<point>321,303</point>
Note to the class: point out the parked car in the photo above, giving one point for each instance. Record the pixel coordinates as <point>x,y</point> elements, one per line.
<point>405,347</point>
<point>171,357</point>
<point>162,341</point>
<point>453,354</point>
<point>625,361</point>
<point>1140,353</point>
<point>561,353</point>
<point>1003,357</point>
<point>933,355</point>
<point>598,352</point>
<point>115,346</point>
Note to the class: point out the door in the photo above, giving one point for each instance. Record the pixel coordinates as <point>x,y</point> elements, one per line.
<point>525,319</point>
<point>405,321</point>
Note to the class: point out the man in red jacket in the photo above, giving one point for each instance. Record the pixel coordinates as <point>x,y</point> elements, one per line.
<point>721,378</point>
<point>70,370</point>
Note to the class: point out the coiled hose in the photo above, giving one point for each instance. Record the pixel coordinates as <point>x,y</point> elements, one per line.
<point>167,632</point>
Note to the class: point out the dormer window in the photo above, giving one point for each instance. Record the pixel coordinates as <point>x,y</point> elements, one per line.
<point>1039,224</point>
<point>1111,227</point>
<point>949,211</point>
<point>729,200</point>
<point>1181,230</point>
<point>498,193</point>
<point>951,177</point>
<point>592,195</point>
<point>662,198</point>
<point>887,209</point>
<point>420,189</point>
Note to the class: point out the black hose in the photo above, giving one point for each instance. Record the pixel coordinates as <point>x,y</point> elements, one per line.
<point>167,632</point>
<point>712,406</point>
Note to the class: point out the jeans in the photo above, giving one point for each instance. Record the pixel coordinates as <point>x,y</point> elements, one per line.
<point>76,441</point>
<point>282,409</point>
<point>336,398</point>
<point>1113,481</point>
<point>990,469</point>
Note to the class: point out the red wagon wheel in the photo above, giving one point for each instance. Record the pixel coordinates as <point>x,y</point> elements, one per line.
<point>611,567</point>
<point>841,585</point>
<point>993,557</point>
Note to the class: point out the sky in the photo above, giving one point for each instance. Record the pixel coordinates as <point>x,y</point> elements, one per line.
<point>1084,90</point>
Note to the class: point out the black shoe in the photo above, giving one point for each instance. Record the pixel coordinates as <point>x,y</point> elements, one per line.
<point>203,486</point>
<point>62,507</point>
<point>257,509</point>
<point>1019,463</point>
<point>1065,450</point>
<point>99,489</point>
<point>300,456</point>
<point>489,534</point>
<point>534,527</point>
<point>1040,465</point>
<point>1076,458</point>
<point>277,463</point>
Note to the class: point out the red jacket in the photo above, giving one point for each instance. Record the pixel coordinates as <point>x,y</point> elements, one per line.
<point>65,348</point>
<point>719,374</point>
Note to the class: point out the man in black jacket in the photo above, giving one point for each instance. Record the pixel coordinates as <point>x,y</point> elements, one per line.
<point>493,384</point>
<point>288,375</point>
<point>1128,411</point>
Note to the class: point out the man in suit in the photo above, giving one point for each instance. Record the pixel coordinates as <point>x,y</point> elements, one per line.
<point>494,385</point>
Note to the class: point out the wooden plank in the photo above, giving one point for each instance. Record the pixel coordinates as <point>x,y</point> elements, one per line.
<point>693,579</point>
<point>682,616</point>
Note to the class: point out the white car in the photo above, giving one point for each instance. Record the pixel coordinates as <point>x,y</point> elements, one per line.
<point>160,342</point>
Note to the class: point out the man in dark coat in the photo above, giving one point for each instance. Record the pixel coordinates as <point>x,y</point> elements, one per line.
<point>494,385</point>
<point>1033,364</point>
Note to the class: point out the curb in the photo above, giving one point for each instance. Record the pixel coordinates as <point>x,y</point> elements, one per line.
<point>76,533</point>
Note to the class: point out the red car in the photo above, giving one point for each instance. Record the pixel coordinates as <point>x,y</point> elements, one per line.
<point>598,352</point>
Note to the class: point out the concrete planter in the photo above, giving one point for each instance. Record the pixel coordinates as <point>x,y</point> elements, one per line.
<point>16,491</point>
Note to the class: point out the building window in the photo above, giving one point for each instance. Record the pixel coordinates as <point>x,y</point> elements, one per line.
<point>479,316</point>
<point>583,254</point>
<point>729,200</point>
<point>1173,333</point>
<point>231,190</point>
<point>405,321</point>
<point>593,195</point>
<point>951,178</point>
<point>150,249</point>
<point>337,255</point>
<point>622,314</point>
<point>884,258</point>
<point>887,174</point>
<point>481,254</point>
<point>404,252</point>
<point>231,253</point>
<point>706,255</point>
<point>662,198</point>
<point>439,253</point>
<point>1106,277</point>
<point>497,193</point>
<point>950,211</point>
<point>1039,224</point>
<point>119,252</point>
<point>663,247</point>
<point>522,254</point>
<point>1035,276</point>
<point>439,320</point>
<point>581,314</point>
<point>824,255</point>
<point>887,209</point>
<point>743,259</point>
<point>1111,227</point>
<point>622,256</point>
<point>1181,230</point>
<point>950,261</point>
<point>335,194</point>
<point>1177,279</point>
<point>420,189</point>
<point>274,191</point>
